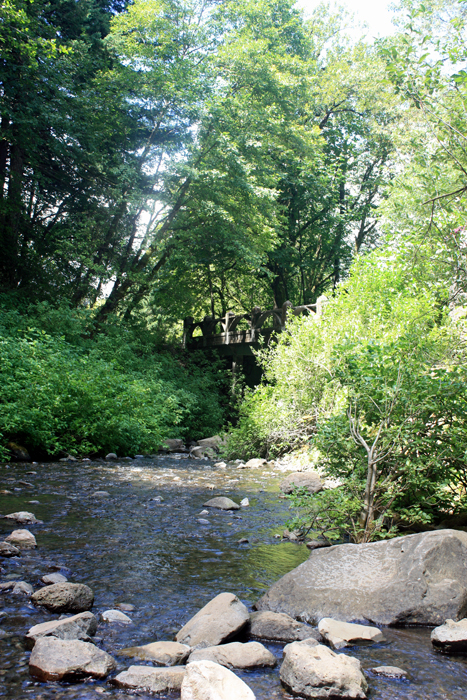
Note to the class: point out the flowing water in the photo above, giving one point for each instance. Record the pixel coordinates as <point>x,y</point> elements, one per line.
<point>143,545</point>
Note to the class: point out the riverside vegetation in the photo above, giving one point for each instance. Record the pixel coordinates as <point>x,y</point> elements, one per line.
<point>160,159</point>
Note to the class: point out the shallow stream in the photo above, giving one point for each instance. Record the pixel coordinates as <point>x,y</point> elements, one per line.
<point>143,544</point>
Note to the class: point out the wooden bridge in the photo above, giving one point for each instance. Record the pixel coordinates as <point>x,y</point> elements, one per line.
<point>223,334</point>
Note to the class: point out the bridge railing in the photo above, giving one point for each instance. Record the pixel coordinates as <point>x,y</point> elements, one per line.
<point>223,331</point>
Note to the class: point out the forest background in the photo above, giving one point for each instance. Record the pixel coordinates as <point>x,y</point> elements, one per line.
<point>167,158</point>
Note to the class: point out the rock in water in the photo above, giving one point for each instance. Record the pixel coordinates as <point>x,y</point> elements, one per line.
<point>222,503</point>
<point>450,637</point>
<point>48,579</point>
<point>22,588</point>
<point>81,626</point>
<point>8,550</point>
<point>311,481</point>
<point>279,627</point>
<point>23,518</point>
<point>205,680</point>
<point>390,672</point>
<point>160,653</point>
<point>110,456</point>
<point>57,659</point>
<point>23,539</point>
<point>342,634</point>
<point>219,621</point>
<point>64,597</point>
<point>255,463</point>
<point>151,680</point>
<point>413,580</point>
<point>236,655</point>
<point>317,672</point>
<point>116,616</point>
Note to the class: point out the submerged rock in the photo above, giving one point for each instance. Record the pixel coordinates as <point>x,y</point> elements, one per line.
<point>417,579</point>
<point>236,655</point>
<point>64,597</point>
<point>219,621</point>
<point>450,637</point>
<point>342,634</point>
<point>81,626</point>
<point>279,627</point>
<point>160,653</point>
<point>57,659</point>
<point>317,672</point>
<point>206,680</point>
<point>151,680</point>
<point>311,481</point>
<point>222,503</point>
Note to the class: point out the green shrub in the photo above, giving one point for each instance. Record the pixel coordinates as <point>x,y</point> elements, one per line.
<point>78,394</point>
<point>378,386</point>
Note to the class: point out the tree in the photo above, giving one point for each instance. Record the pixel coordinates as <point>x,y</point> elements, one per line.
<point>53,148</point>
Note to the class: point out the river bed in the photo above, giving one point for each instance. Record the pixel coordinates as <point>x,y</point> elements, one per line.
<point>143,545</point>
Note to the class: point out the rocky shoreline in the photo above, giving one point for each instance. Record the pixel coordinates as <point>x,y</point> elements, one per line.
<point>229,635</point>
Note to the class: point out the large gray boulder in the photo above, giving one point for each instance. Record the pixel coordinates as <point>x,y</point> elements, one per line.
<point>317,672</point>
<point>450,637</point>
<point>279,627</point>
<point>311,481</point>
<point>81,626</point>
<point>55,659</point>
<point>218,622</point>
<point>414,580</point>
<point>64,597</point>
<point>206,680</point>
<point>150,679</point>
<point>160,653</point>
<point>236,655</point>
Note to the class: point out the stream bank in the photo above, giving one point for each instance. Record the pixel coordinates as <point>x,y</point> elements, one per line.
<point>143,545</point>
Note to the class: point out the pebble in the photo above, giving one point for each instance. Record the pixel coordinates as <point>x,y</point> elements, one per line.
<point>204,512</point>
<point>245,502</point>
<point>203,521</point>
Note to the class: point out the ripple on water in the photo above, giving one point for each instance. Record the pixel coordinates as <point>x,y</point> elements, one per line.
<point>156,556</point>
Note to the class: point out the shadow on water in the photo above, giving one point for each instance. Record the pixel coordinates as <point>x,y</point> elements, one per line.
<point>143,544</point>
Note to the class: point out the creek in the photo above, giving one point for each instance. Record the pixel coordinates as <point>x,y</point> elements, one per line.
<point>143,545</point>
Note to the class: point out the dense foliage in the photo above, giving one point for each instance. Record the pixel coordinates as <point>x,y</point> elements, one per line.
<point>378,388</point>
<point>63,392</point>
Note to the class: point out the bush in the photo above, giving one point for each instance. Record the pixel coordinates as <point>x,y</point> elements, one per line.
<point>378,386</point>
<point>72,393</point>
